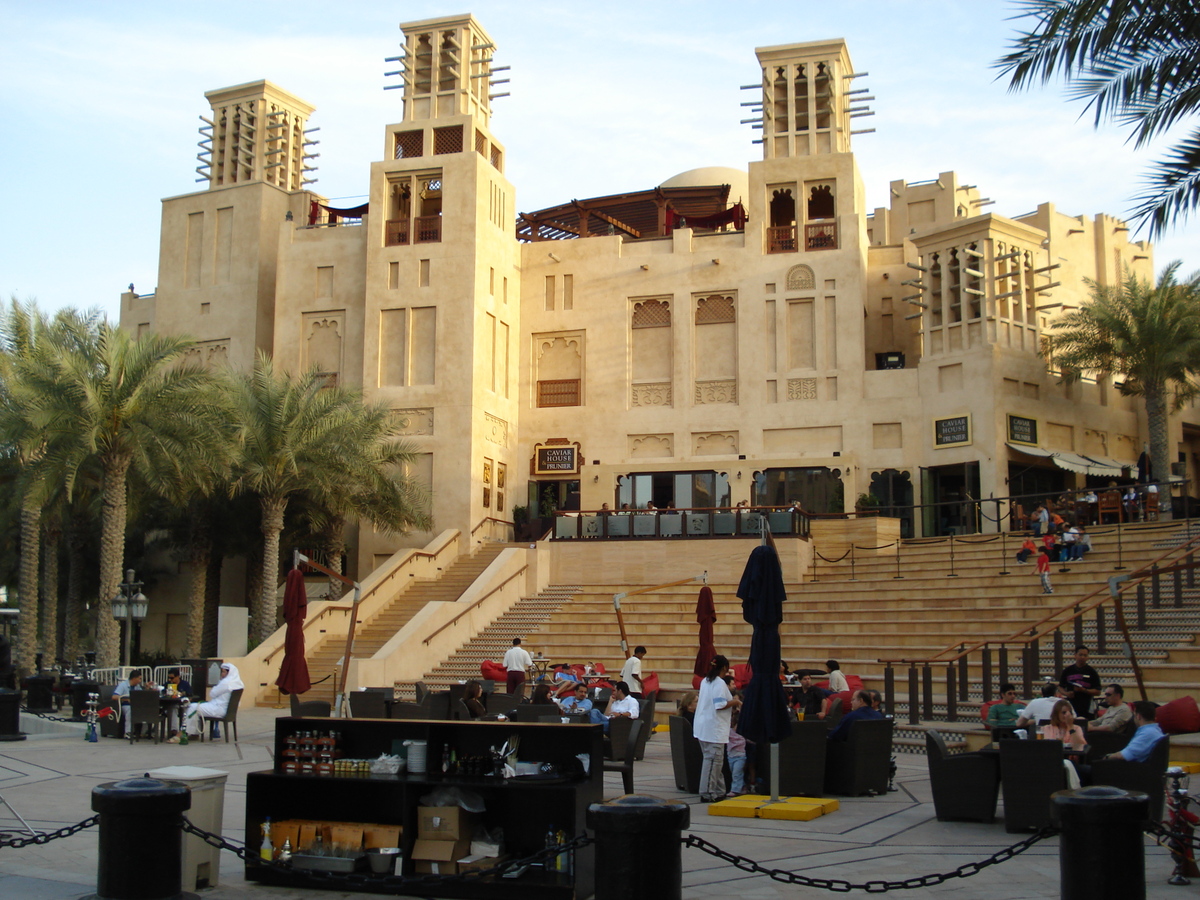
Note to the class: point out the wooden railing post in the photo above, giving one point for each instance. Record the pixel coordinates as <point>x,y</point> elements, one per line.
<point>963,681</point>
<point>1028,668</point>
<point>951,705</point>
<point>927,693</point>
<point>987,673</point>
<point>1178,580</point>
<point>913,697</point>
<point>1101,635</point>
<point>1058,652</point>
<point>1141,606</point>
<point>889,687</point>
<point>1078,626</point>
<point>1190,562</point>
<point>1002,675</point>
<point>1155,588</point>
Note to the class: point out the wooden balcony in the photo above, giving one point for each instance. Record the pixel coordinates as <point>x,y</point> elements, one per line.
<point>821,237</point>
<point>781,239</point>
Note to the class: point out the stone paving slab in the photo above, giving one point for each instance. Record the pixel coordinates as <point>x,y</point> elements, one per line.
<point>48,780</point>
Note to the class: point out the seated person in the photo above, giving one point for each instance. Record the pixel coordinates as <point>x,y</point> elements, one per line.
<point>1083,542</point>
<point>120,697</point>
<point>473,699</point>
<point>1042,707</point>
<point>540,696</point>
<point>176,684</point>
<point>1115,713</point>
<point>1147,735</point>
<point>1007,711</point>
<point>1028,549</point>
<point>620,705</point>
<point>577,702</point>
<point>808,699</point>
<point>860,709</point>
<point>687,706</point>
<point>876,701</point>
<point>1062,727</point>
<point>837,679</point>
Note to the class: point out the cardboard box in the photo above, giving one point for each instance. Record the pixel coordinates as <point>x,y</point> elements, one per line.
<point>432,856</point>
<point>476,862</point>
<point>444,823</point>
<point>381,836</point>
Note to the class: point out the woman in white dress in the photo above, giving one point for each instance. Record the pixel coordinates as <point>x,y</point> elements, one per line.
<point>217,703</point>
<point>714,709</point>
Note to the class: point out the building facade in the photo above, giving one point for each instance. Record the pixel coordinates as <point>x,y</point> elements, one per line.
<point>724,336</point>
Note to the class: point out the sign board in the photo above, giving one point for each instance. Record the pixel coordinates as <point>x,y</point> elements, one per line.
<point>952,432</point>
<point>556,458</point>
<point>1022,430</point>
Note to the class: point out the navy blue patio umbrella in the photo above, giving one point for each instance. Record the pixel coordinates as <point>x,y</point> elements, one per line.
<point>764,716</point>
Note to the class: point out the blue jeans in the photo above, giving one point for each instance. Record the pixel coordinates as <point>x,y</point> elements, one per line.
<point>737,769</point>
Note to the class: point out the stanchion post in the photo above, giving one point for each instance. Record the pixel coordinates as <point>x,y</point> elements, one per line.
<point>639,853</point>
<point>1099,825</point>
<point>140,848</point>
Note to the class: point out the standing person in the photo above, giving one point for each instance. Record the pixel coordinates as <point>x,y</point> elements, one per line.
<point>517,661</point>
<point>837,680</point>
<point>1043,570</point>
<point>631,672</point>
<point>1081,683</point>
<point>217,703</point>
<point>1040,520</point>
<point>739,750</point>
<point>714,712</point>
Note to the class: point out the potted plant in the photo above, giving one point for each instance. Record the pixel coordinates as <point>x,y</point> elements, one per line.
<point>520,516</point>
<point>867,504</point>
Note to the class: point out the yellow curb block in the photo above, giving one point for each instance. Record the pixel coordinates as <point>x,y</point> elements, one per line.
<point>759,806</point>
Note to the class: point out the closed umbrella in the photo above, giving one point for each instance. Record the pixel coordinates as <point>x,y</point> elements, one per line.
<point>706,616</point>
<point>764,716</point>
<point>293,671</point>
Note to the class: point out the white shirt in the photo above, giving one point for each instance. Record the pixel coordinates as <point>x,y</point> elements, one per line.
<point>837,681</point>
<point>713,712</point>
<point>1039,709</point>
<point>633,666</point>
<point>517,659</point>
<point>628,705</point>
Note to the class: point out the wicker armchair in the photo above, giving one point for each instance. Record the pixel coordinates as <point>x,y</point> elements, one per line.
<point>964,786</point>
<point>801,760</point>
<point>860,764</point>
<point>1138,776</point>
<point>1030,771</point>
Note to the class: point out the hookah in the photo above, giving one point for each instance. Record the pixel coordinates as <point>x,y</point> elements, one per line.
<point>91,715</point>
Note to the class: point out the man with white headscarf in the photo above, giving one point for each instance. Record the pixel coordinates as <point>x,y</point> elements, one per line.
<point>217,703</point>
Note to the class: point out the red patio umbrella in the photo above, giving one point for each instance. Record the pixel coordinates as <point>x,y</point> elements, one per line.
<point>293,671</point>
<point>706,615</point>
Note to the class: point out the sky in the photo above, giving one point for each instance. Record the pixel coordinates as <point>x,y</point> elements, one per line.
<point>99,107</point>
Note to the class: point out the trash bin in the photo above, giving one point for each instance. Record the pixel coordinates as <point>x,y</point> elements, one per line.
<point>10,715</point>
<point>201,862</point>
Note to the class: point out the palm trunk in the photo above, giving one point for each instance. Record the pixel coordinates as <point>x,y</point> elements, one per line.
<point>1158,424</point>
<point>212,603</point>
<point>27,587</point>
<point>76,541</point>
<point>198,557</point>
<point>333,542</point>
<point>49,604</point>
<point>112,556</point>
<point>263,616</point>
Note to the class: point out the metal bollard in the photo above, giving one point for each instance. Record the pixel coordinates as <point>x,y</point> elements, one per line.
<point>1099,825</point>
<point>140,845</point>
<point>10,715</point>
<point>39,693</point>
<point>638,851</point>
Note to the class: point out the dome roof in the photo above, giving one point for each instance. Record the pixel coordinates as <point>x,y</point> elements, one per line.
<point>737,179</point>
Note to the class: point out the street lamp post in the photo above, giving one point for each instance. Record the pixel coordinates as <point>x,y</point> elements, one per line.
<point>129,605</point>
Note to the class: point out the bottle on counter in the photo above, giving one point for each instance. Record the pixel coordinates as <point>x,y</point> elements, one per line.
<point>266,850</point>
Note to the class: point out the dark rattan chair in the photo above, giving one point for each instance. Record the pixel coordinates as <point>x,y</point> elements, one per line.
<point>143,711</point>
<point>685,755</point>
<point>645,714</point>
<point>229,719</point>
<point>801,760</point>
<point>860,764</point>
<point>1105,742</point>
<point>501,704</point>
<point>311,709</point>
<point>1030,771</point>
<point>367,705</point>
<point>964,786</point>
<point>402,709</point>
<point>619,730</point>
<point>1138,776</point>
<point>623,762</point>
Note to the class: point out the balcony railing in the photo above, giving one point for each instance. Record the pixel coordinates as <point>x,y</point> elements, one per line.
<point>821,237</point>
<point>678,523</point>
<point>396,232</point>
<point>560,392</point>
<point>421,230</point>
<point>781,239</point>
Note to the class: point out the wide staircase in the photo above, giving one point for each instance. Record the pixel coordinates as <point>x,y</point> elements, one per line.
<point>324,659</point>
<point>875,606</point>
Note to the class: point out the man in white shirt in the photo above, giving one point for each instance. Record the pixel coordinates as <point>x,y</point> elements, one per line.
<point>631,672</point>
<point>517,661</point>
<point>620,705</point>
<point>1042,706</point>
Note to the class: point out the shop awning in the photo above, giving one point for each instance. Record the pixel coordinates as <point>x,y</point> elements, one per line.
<point>1076,462</point>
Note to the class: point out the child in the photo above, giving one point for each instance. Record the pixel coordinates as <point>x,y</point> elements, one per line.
<point>1043,569</point>
<point>1027,550</point>
<point>1051,547</point>
<point>736,752</point>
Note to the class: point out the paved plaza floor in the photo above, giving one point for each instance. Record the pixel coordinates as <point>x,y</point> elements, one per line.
<point>49,779</point>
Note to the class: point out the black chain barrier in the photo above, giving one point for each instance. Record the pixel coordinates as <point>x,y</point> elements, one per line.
<point>52,718</point>
<point>353,880</point>
<point>837,885</point>
<point>18,842</point>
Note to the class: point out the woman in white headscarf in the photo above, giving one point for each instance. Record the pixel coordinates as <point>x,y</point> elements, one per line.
<point>217,703</point>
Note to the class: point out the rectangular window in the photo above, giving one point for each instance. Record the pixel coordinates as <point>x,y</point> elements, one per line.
<point>492,281</point>
<point>568,292</point>
<point>549,293</point>
<point>224,245</point>
<point>406,346</point>
<point>414,209</point>
<point>195,243</point>
<point>393,275</point>
<point>560,392</point>
<point>423,273</point>
<point>324,287</point>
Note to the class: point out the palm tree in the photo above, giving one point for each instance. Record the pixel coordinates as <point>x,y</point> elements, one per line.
<point>296,435</point>
<point>131,404</point>
<point>1134,61</point>
<point>1150,335</point>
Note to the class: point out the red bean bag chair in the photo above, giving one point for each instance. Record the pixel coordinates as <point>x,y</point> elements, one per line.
<point>493,671</point>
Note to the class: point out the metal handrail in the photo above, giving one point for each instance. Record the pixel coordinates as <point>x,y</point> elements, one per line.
<point>454,621</point>
<point>487,519</point>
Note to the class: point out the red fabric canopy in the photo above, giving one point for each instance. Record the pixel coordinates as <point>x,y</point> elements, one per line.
<point>706,615</point>
<point>293,671</point>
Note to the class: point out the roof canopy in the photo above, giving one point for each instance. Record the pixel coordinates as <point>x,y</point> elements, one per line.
<point>651,213</point>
